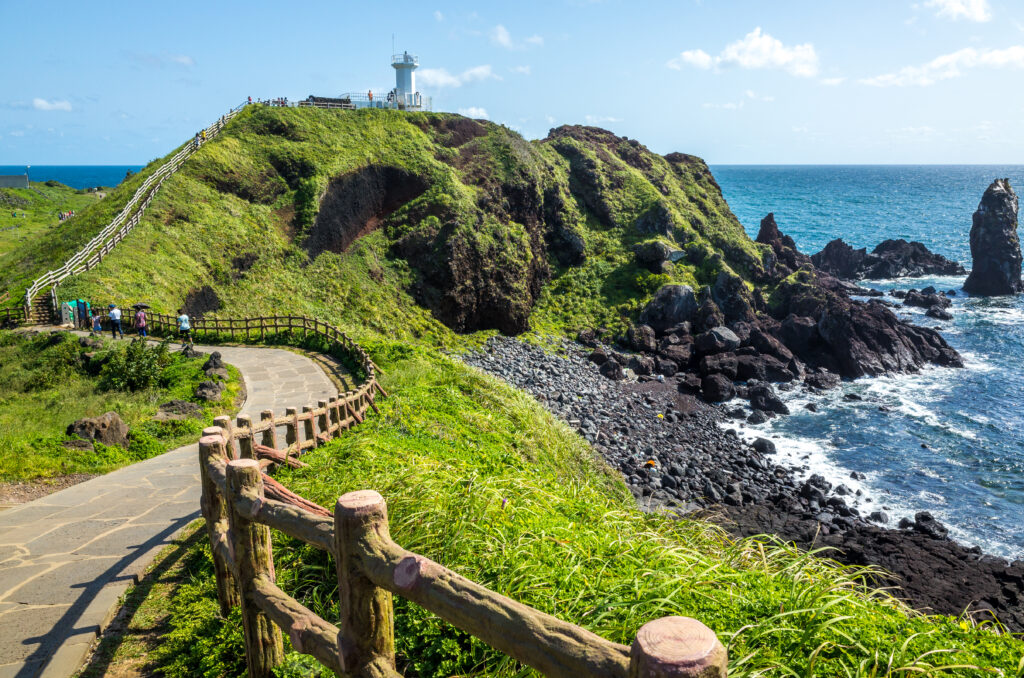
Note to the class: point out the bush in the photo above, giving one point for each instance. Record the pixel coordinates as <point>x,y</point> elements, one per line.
<point>135,368</point>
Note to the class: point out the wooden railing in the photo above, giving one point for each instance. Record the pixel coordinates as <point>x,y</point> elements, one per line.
<point>92,253</point>
<point>241,502</point>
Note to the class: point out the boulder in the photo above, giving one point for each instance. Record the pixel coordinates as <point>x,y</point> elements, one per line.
<point>995,248</point>
<point>822,379</point>
<point>925,523</point>
<point>641,338</point>
<point>612,370</point>
<point>708,316</point>
<point>721,363</point>
<point>598,356</point>
<point>178,410</point>
<point>716,340</point>
<point>587,338</point>
<point>763,397</point>
<point>641,364</point>
<point>214,362</point>
<point>800,333</point>
<point>938,313</point>
<point>209,391</point>
<point>717,388</point>
<point>787,256</point>
<point>652,254</point>
<point>750,367</point>
<point>671,305</point>
<point>680,354</point>
<point>107,428</point>
<point>665,367</point>
<point>926,299</point>
<point>890,259</point>
<point>731,296</point>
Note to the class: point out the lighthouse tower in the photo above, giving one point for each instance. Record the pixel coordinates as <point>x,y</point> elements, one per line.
<point>405,65</point>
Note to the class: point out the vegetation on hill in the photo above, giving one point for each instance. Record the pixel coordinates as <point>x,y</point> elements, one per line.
<point>51,380</point>
<point>39,242</point>
<point>421,233</point>
<point>31,214</point>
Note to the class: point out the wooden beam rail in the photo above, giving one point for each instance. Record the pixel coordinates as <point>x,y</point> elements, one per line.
<point>372,568</point>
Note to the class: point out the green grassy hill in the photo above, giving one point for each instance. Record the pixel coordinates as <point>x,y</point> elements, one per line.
<point>419,233</point>
<point>28,215</point>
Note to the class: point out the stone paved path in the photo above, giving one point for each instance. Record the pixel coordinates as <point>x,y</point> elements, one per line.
<point>66,559</point>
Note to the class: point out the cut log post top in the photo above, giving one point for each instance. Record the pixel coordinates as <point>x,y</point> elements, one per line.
<point>677,647</point>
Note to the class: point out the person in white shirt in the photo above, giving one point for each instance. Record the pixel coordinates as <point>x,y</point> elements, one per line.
<point>184,327</point>
<point>115,321</point>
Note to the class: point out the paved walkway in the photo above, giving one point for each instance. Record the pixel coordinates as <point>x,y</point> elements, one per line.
<point>67,558</point>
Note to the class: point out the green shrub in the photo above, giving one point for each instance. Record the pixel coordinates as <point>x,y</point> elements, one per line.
<point>135,368</point>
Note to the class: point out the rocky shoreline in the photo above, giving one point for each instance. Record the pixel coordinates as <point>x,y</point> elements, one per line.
<point>678,453</point>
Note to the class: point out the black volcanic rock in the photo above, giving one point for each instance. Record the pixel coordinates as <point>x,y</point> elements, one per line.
<point>890,259</point>
<point>787,256</point>
<point>995,247</point>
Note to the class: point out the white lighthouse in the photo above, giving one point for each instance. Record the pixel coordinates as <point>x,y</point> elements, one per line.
<point>405,65</point>
<point>403,97</point>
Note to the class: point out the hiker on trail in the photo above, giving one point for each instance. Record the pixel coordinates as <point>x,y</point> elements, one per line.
<point>204,135</point>
<point>197,140</point>
<point>184,327</point>
<point>97,323</point>
<point>140,321</point>
<point>115,322</point>
<point>369,93</point>
<point>250,100</point>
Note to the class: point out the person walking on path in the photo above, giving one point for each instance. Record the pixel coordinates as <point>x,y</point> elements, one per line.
<point>196,141</point>
<point>97,323</point>
<point>140,321</point>
<point>184,327</point>
<point>115,322</point>
<point>203,134</point>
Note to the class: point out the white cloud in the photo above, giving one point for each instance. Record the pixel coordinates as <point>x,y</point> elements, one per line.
<point>440,77</point>
<point>55,105</point>
<point>17,133</point>
<point>522,70</point>
<point>832,82</point>
<point>950,66</point>
<point>474,112</point>
<point>438,16</point>
<point>756,50</point>
<point>693,57</point>
<point>550,119</point>
<point>501,37</point>
<point>183,60</point>
<point>601,119</point>
<point>972,10</point>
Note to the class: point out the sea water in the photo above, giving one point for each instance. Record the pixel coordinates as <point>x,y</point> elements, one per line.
<point>949,441</point>
<point>75,176</point>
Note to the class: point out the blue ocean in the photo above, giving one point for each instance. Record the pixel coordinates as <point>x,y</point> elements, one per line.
<point>75,176</point>
<point>947,441</point>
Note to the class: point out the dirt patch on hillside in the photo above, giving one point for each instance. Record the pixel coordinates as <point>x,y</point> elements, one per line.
<point>357,203</point>
<point>201,301</point>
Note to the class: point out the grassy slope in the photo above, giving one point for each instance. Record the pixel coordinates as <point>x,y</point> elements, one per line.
<point>45,385</point>
<point>20,265</point>
<point>451,444</point>
<point>37,208</point>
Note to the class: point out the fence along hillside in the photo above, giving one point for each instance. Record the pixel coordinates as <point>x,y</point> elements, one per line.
<point>241,503</point>
<point>41,306</point>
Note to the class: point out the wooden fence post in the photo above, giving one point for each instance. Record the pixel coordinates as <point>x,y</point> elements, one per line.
<point>270,435</point>
<point>245,443</point>
<point>264,648</point>
<point>215,511</point>
<point>291,427</point>
<point>323,421</point>
<point>224,422</point>
<point>309,425</point>
<point>366,641</point>
<point>677,647</point>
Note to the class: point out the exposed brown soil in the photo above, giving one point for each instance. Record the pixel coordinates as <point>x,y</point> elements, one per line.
<point>201,301</point>
<point>357,203</point>
<point>20,492</point>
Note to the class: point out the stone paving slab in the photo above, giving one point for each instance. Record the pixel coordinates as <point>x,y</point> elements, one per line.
<point>67,558</point>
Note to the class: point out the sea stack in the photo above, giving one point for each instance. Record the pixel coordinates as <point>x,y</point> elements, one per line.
<point>995,247</point>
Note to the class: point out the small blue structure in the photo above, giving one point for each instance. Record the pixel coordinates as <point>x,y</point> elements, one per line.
<point>14,181</point>
<point>403,97</point>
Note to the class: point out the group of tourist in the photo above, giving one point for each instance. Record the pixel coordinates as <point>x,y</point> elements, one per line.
<point>140,322</point>
<point>64,216</point>
<point>200,138</point>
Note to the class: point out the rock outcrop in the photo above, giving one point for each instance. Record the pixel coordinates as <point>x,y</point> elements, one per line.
<point>890,259</point>
<point>995,247</point>
<point>107,428</point>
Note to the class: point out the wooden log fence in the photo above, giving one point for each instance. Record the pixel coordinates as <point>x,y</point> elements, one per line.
<point>241,503</point>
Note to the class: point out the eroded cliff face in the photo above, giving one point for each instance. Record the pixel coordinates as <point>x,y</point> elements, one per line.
<point>995,247</point>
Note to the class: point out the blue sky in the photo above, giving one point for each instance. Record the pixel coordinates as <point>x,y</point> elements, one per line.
<point>734,81</point>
